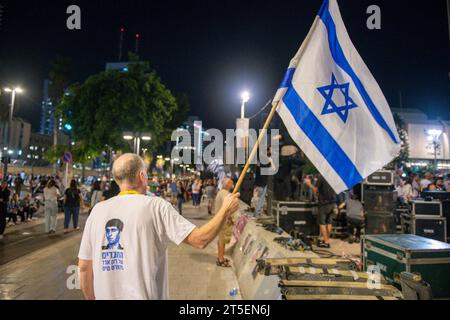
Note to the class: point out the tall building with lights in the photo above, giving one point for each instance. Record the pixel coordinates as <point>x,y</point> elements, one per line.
<point>48,112</point>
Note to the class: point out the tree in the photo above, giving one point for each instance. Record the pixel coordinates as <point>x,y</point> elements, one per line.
<point>60,72</point>
<point>55,153</point>
<point>111,102</point>
<point>59,76</point>
<point>403,156</point>
<point>83,154</point>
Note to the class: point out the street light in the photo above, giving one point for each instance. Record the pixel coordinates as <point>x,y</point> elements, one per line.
<point>136,137</point>
<point>245,97</point>
<point>128,135</point>
<point>434,136</point>
<point>13,92</point>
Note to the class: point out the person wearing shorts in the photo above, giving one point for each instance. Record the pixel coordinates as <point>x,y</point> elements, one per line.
<point>327,203</point>
<point>227,227</point>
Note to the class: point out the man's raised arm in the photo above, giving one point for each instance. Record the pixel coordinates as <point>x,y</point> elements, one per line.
<point>201,237</point>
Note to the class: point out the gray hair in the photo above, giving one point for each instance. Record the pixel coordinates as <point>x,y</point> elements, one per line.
<point>126,168</point>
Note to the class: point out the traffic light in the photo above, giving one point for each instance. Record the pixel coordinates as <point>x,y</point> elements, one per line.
<point>6,160</point>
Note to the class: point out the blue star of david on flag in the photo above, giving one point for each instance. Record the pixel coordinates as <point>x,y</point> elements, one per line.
<point>330,106</point>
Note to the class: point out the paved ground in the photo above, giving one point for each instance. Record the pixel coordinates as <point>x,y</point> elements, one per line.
<point>36,266</point>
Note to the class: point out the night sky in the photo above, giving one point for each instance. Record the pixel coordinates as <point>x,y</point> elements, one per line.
<point>211,50</point>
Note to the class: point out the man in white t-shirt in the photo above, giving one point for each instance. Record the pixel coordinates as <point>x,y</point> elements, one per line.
<point>123,252</point>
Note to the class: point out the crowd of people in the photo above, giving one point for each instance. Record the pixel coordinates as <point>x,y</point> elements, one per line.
<point>315,189</point>
<point>182,190</point>
<point>16,205</point>
<point>19,206</point>
<point>22,196</point>
<point>411,186</point>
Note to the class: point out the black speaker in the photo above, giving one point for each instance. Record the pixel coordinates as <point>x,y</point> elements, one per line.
<point>377,223</point>
<point>434,228</point>
<point>381,201</point>
<point>426,208</point>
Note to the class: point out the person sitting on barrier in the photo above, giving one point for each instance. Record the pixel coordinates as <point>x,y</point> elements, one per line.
<point>355,216</point>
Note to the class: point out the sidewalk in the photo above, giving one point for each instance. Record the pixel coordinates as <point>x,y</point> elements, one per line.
<point>193,273</point>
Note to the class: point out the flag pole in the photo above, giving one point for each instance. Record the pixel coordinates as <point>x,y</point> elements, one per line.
<point>255,147</point>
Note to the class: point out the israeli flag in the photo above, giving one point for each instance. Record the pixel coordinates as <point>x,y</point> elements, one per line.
<point>333,108</point>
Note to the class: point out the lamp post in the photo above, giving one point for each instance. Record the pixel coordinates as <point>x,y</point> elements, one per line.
<point>434,136</point>
<point>242,129</point>
<point>8,132</point>
<point>136,137</point>
<point>245,97</point>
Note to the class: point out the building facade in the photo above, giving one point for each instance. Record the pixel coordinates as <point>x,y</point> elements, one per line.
<point>421,141</point>
<point>17,141</point>
<point>39,144</point>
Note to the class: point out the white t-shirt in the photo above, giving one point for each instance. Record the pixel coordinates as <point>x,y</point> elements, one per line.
<point>405,192</point>
<point>424,183</point>
<point>51,194</point>
<point>195,188</point>
<point>126,237</point>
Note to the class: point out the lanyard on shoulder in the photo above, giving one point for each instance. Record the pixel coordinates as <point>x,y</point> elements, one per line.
<point>122,193</point>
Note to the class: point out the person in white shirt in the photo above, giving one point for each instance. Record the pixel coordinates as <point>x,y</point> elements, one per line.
<point>123,251</point>
<point>416,186</point>
<point>196,193</point>
<point>426,181</point>
<point>51,195</point>
<point>405,191</point>
<point>97,194</point>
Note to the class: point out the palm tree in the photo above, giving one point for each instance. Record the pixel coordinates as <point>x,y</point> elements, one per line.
<point>60,72</point>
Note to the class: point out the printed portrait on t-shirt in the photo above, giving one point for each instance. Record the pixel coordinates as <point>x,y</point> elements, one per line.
<point>113,230</point>
<point>113,255</point>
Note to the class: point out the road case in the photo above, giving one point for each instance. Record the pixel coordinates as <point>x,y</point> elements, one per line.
<point>393,254</point>
<point>325,279</point>
<point>296,216</point>
<point>429,227</point>
<point>446,215</point>
<point>426,208</point>
<point>323,287</point>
